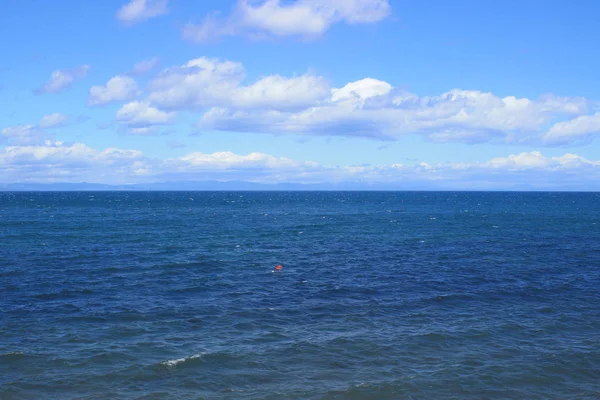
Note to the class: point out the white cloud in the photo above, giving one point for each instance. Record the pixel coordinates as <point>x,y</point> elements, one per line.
<point>62,79</point>
<point>206,82</point>
<point>361,90</point>
<point>276,18</point>
<point>522,161</point>
<point>535,160</point>
<point>22,134</point>
<point>140,10</point>
<point>198,83</point>
<point>30,134</point>
<point>309,105</point>
<point>118,88</point>
<point>281,93</point>
<point>142,118</point>
<point>60,162</point>
<point>577,129</point>
<point>63,154</point>
<point>373,108</point>
<point>144,130</point>
<point>144,66</point>
<point>227,159</point>
<point>52,120</point>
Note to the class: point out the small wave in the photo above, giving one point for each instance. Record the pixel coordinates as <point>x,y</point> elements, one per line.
<point>12,356</point>
<point>12,353</point>
<point>177,361</point>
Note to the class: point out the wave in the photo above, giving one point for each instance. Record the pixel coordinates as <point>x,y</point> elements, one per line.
<point>178,361</point>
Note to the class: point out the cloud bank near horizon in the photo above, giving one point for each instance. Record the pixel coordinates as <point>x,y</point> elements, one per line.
<point>77,162</point>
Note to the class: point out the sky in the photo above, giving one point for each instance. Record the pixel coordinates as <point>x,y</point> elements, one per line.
<point>455,94</point>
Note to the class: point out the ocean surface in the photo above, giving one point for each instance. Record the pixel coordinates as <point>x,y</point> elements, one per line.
<point>382,295</point>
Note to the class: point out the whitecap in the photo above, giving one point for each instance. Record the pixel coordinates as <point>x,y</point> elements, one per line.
<point>177,361</point>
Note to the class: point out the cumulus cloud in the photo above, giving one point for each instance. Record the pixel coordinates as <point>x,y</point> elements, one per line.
<point>144,66</point>
<point>309,105</point>
<point>227,159</point>
<point>204,82</point>
<point>22,134</point>
<point>118,88</point>
<point>60,162</point>
<point>140,10</point>
<point>33,134</point>
<point>575,130</point>
<point>53,120</point>
<point>198,83</point>
<point>277,18</point>
<point>143,119</point>
<point>535,160</point>
<point>62,79</point>
<point>374,109</point>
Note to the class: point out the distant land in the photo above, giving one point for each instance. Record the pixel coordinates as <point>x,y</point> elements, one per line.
<point>252,186</point>
<point>206,186</point>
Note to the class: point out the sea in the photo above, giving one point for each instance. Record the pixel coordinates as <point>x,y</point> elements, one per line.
<point>381,295</point>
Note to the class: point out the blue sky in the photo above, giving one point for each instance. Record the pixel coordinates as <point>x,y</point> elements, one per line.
<point>490,95</point>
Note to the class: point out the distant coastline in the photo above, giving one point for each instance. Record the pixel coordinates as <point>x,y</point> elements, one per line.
<point>253,186</point>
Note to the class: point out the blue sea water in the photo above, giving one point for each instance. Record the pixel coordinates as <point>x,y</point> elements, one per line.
<point>383,295</point>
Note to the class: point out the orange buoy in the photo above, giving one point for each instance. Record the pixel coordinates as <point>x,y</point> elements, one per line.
<point>279,268</point>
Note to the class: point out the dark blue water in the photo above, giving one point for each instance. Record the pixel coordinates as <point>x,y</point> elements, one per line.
<point>171,295</point>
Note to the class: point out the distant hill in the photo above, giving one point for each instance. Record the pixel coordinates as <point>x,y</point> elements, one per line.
<point>252,186</point>
<point>208,186</point>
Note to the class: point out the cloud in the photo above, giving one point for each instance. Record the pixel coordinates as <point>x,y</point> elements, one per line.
<point>144,130</point>
<point>118,88</point>
<point>22,134</point>
<point>143,119</point>
<point>578,129</point>
<point>535,160</point>
<point>198,83</point>
<point>374,109</point>
<point>276,18</point>
<point>309,105</point>
<point>63,79</point>
<point>33,134</point>
<point>144,66</point>
<point>60,162</point>
<point>140,10</point>
<point>227,159</point>
<point>53,120</point>
<point>204,82</point>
